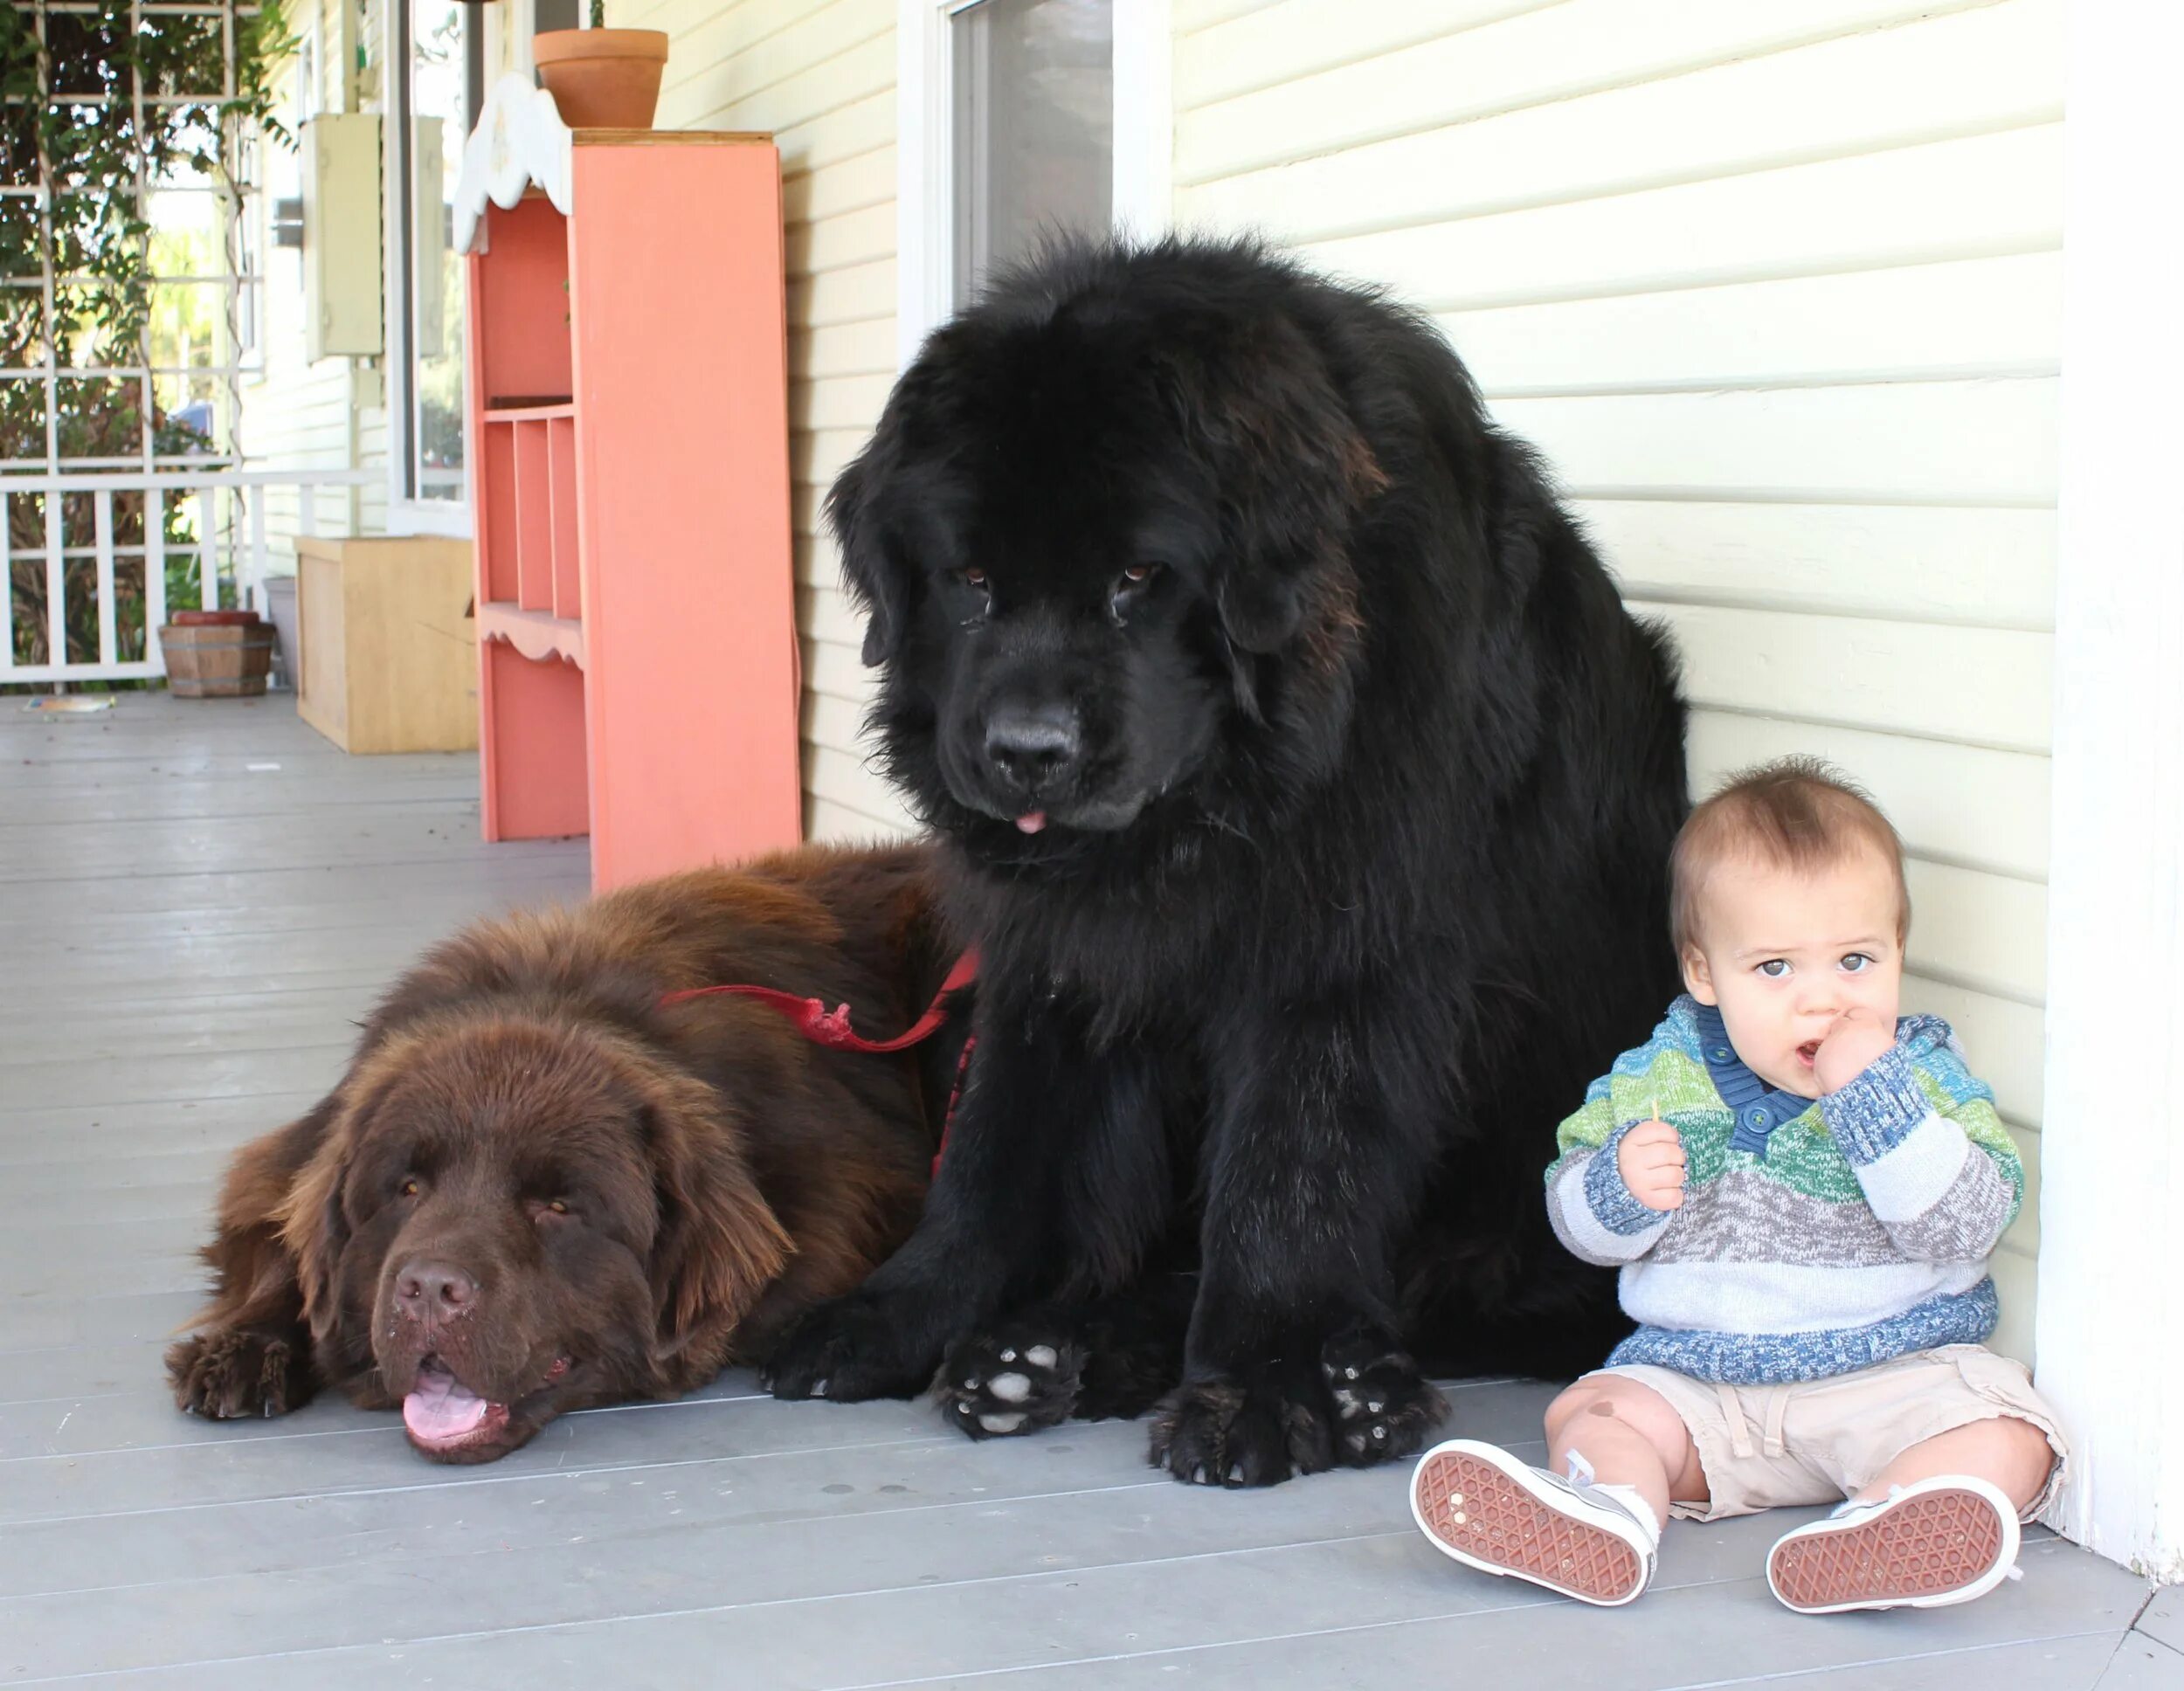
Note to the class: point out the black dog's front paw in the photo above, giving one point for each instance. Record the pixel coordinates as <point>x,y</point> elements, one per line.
<point>1384,1407</point>
<point>1231,1433</point>
<point>237,1373</point>
<point>853,1349</point>
<point>1017,1378</point>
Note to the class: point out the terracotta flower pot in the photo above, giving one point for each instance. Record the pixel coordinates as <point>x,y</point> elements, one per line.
<point>603,79</point>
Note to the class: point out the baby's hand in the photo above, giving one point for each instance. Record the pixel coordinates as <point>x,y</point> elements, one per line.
<point>1650,1160</point>
<point>1853,1040</point>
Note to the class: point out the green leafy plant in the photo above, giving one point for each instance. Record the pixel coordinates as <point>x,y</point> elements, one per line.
<point>598,14</point>
<point>72,133</point>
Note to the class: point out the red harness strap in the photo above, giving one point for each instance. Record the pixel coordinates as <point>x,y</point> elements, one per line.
<point>831,1028</point>
<point>822,1027</point>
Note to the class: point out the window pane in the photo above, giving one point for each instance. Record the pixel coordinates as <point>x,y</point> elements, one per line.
<point>439,120</point>
<point>1034,110</point>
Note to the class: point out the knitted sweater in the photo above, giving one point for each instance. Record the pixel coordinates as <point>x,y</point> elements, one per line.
<point>1816,1238</point>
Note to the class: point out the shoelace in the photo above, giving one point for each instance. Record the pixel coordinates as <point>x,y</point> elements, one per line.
<point>1584,1484</point>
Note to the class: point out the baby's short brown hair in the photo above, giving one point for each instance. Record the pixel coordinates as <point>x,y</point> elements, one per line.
<point>1796,813</point>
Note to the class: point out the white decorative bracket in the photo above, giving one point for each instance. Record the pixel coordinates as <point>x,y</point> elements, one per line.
<point>520,140</point>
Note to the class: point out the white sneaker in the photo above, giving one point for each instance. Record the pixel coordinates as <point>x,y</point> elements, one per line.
<point>1489,1511</point>
<point>1923,1546</point>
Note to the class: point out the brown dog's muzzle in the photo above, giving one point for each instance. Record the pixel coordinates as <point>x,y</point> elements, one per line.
<point>461,1356</point>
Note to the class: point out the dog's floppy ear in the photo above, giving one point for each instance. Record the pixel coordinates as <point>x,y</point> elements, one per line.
<point>1288,467</point>
<point>719,1245</point>
<point>875,577</point>
<point>315,1230</point>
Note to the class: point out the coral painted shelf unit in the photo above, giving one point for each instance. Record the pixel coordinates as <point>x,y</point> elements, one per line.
<point>635,604</point>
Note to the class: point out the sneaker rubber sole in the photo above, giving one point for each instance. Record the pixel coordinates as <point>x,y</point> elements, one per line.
<point>1487,1515</point>
<point>1937,1543</point>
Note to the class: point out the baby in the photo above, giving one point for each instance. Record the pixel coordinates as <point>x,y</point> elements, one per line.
<point>1802,1190</point>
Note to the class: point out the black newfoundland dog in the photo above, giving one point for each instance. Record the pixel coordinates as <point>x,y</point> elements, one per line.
<point>1308,792</point>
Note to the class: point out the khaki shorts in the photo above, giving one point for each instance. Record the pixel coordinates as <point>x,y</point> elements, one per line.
<point>1818,1442</point>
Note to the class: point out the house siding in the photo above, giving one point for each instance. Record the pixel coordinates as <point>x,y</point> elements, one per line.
<point>1776,290</point>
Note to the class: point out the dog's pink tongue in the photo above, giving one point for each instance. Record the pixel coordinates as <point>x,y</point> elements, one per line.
<point>1033,823</point>
<point>441,1408</point>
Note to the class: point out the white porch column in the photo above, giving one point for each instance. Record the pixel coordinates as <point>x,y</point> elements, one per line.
<point>2110,1324</point>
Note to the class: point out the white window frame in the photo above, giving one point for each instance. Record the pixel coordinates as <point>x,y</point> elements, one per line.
<point>406,515</point>
<point>1143,143</point>
<point>2109,1338</point>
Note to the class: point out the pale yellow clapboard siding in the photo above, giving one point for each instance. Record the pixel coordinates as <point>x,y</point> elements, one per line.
<point>819,455</point>
<point>825,612</point>
<point>1955,443</point>
<point>1976,317</point>
<point>862,348</point>
<point>812,92</point>
<point>824,819</point>
<point>838,135</point>
<point>1987,932</point>
<point>848,778</point>
<point>1862,92</point>
<point>1947,199</point>
<point>818,564</point>
<point>837,401</point>
<point>2016,1280</point>
<point>814,141</point>
<point>1965,804</point>
<point>837,242</point>
<point>776,42</point>
<point>715,30</point>
<point>853,184</point>
<point>835,667</point>
<point>1187,16</point>
<point>854,296</point>
<point>830,720</point>
<point>1981,685</point>
<point>1305,37</point>
<point>1950,564</point>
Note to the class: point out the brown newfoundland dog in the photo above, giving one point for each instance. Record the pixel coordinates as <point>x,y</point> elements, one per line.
<point>538,1187</point>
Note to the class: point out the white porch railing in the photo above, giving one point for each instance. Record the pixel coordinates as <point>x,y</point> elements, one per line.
<point>228,543</point>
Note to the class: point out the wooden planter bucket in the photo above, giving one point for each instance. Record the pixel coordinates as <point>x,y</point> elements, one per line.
<point>226,659</point>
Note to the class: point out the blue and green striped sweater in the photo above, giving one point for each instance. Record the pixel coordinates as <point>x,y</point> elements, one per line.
<point>1816,1238</point>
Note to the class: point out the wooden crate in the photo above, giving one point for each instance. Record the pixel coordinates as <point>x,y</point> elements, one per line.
<point>389,658</point>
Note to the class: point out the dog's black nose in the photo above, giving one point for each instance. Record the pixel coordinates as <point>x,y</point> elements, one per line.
<point>1033,746</point>
<point>433,1291</point>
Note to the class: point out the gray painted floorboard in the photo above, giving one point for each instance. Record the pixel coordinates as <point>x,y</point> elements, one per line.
<point>189,943</point>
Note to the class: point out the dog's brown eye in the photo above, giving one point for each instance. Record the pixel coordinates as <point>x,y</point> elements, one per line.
<point>1139,572</point>
<point>409,1188</point>
<point>974,577</point>
<point>558,1207</point>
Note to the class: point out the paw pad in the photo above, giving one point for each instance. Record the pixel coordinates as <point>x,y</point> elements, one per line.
<point>999,1387</point>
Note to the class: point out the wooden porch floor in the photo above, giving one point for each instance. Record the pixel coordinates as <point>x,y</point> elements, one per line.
<point>196,900</point>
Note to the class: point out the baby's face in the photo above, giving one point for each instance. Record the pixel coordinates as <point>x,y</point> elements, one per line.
<point>1784,954</point>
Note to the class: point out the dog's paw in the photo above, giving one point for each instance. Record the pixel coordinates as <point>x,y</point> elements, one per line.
<point>233,1373</point>
<point>848,1350</point>
<point>1226,1432</point>
<point>1385,1408</point>
<point>1014,1379</point>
